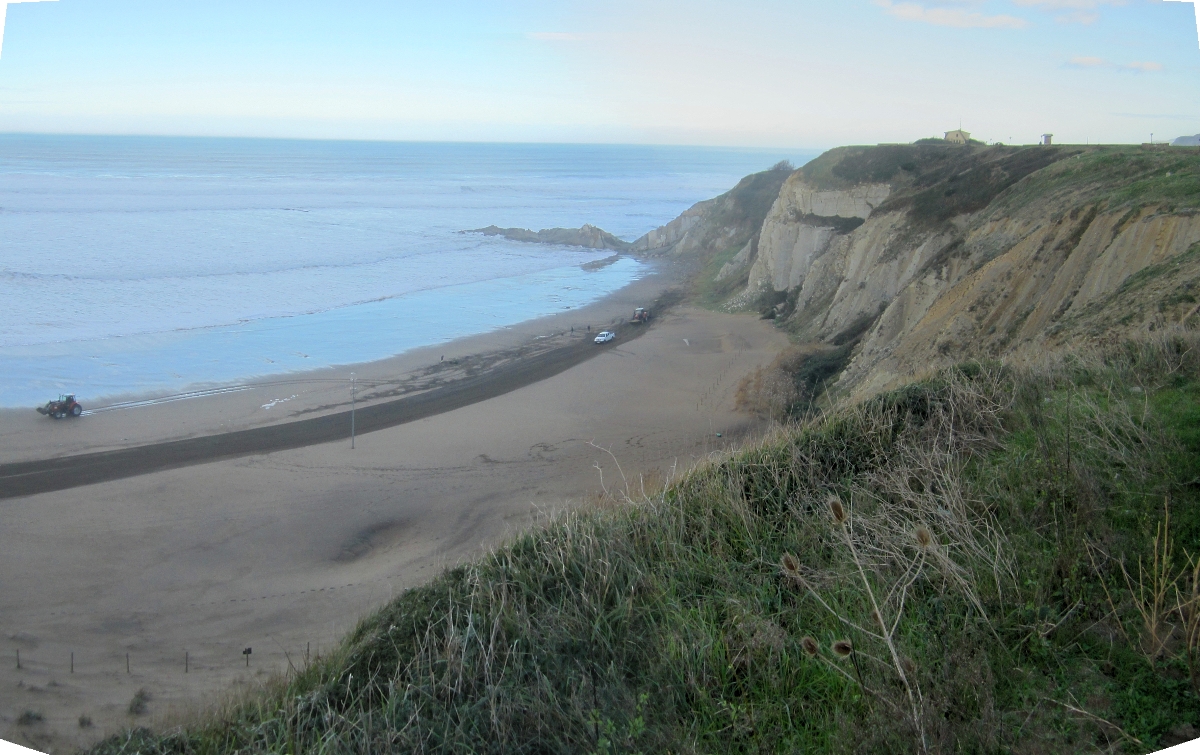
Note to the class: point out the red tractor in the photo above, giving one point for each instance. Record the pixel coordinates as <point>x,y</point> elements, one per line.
<point>66,406</point>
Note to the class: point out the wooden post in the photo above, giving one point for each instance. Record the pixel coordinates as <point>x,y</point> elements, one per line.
<point>127,663</point>
<point>18,659</point>
<point>72,662</point>
<point>185,662</point>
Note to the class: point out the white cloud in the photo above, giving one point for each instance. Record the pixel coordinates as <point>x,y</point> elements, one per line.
<point>1075,5</point>
<point>941,15</point>
<point>1072,11</point>
<point>1079,17</point>
<point>1138,66</point>
<point>4,12</point>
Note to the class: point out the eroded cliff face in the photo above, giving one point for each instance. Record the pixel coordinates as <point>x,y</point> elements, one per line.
<point>1034,267</point>
<point>801,226</point>
<point>724,224</point>
<point>924,256</point>
<point>1043,289</point>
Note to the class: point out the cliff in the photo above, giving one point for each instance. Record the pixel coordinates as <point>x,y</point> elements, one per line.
<point>912,257</point>
<point>907,258</point>
<point>725,224</point>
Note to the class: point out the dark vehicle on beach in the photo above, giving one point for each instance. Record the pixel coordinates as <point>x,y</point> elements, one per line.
<point>66,406</point>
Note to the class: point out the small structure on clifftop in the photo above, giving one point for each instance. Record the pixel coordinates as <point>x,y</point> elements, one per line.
<point>1047,140</point>
<point>958,136</point>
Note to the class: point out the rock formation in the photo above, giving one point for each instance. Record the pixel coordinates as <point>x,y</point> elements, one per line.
<point>923,255</point>
<point>588,236</point>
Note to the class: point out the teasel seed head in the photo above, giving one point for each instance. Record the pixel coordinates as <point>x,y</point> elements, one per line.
<point>838,511</point>
<point>811,648</point>
<point>843,648</point>
<point>789,565</point>
<point>924,538</point>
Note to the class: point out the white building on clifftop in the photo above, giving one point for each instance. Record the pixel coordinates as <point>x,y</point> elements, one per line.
<point>958,136</point>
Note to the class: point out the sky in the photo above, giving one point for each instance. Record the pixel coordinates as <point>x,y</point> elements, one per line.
<point>755,73</point>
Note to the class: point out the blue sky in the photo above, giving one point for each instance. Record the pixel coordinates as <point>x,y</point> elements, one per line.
<point>795,73</point>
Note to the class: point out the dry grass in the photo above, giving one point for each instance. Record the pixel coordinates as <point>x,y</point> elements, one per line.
<point>908,574</point>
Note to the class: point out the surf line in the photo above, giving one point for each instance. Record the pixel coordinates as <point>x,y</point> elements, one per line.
<point>168,399</point>
<point>231,389</point>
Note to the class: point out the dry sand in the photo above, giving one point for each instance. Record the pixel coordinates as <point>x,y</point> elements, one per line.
<point>284,552</point>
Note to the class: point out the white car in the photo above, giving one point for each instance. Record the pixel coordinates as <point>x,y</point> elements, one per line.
<point>605,336</point>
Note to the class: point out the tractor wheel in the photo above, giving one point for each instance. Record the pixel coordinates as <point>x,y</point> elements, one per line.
<point>58,415</point>
<point>76,410</point>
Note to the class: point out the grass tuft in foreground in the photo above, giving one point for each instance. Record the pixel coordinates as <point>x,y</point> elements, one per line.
<point>995,560</point>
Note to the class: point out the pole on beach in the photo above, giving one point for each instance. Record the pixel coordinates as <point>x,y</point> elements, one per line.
<point>18,659</point>
<point>351,412</point>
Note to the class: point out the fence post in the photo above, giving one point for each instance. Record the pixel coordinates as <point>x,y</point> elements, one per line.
<point>18,659</point>
<point>127,663</point>
<point>72,662</point>
<point>185,662</point>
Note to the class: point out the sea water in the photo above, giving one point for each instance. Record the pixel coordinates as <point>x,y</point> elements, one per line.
<point>139,265</point>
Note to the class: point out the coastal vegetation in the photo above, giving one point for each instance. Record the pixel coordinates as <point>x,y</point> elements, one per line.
<point>999,558</point>
<point>973,527</point>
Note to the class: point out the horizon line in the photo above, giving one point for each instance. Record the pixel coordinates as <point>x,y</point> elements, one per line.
<point>369,140</point>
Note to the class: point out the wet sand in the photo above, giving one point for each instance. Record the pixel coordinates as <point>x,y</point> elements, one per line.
<point>283,552</point>
<point>206,410</point>
<point>437,389</point>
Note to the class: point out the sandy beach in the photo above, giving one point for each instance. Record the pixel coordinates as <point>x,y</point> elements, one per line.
<point>209,409</point>
<point>179,571</point>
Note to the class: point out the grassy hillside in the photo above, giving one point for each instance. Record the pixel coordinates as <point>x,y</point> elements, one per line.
<point>1114,177</point>
<point>998,559</point>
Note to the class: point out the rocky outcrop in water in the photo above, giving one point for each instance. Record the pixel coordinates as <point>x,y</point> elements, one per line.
<point>588,236</point>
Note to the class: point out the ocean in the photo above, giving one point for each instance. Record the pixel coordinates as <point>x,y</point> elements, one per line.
<point>143,265</point>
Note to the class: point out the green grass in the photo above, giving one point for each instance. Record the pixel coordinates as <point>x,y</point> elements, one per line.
<point>1116,177</point>
<point>988,514</point>
<point>707,291</point>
